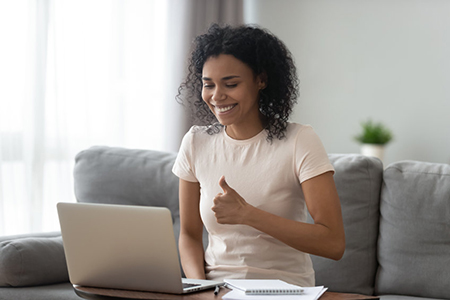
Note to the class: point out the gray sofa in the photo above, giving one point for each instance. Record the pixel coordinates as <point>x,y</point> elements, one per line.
<point>397,224</point>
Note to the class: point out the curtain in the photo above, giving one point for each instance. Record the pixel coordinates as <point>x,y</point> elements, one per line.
<point>80,73</point>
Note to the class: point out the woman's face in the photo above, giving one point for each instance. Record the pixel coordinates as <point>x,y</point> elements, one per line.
<point>231,90</point>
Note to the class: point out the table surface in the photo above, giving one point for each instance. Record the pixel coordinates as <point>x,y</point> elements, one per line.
<point>100,293</point>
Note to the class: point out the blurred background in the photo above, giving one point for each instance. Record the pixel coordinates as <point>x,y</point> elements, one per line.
<point>74,74</point>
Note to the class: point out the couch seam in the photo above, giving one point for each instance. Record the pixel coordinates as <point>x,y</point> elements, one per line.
<point>122,155</point>
<point>116,154</point>
<point>368,236</point>
<point>78,158</point>
<point>417,172</point>
<point>368,211</point>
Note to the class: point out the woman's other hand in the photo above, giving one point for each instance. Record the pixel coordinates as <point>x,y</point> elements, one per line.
<point>229,207</point>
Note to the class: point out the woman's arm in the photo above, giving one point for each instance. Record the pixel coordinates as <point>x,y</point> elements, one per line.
<point>325,237</point>
<point>191,230</point>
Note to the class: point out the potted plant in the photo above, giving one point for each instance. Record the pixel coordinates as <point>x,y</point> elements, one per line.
<point>373,138</point>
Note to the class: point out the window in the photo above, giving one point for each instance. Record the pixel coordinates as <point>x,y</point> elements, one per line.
<point>73,74</point>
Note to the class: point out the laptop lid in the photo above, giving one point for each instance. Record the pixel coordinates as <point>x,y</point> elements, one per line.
<point>121,247</point>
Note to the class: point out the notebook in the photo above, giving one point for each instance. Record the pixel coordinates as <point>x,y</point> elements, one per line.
<point>123,247</point>
<point>264,286</point>
<point>309,293</point>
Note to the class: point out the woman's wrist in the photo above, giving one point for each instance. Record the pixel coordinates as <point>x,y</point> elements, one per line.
<point>252,215</point>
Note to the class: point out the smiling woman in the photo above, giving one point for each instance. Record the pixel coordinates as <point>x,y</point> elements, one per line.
<point>250,176</point>
<point>271,63</point>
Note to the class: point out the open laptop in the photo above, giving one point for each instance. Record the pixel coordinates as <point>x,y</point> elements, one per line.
<point>123,247</point>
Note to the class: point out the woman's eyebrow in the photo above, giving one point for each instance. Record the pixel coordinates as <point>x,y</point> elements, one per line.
<point>224,78</point>
<point>230,77</point>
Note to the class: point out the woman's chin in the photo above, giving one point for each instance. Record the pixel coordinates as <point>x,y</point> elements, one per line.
<point>224,121</point>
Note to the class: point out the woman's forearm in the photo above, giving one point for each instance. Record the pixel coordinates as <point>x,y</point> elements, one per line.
<point>316,239</point>
<point>192,257</point>
<point>191,229</point>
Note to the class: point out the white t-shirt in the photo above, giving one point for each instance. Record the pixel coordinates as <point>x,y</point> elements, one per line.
<point>267,176</point>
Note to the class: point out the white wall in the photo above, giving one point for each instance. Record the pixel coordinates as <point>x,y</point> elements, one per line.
<point>387,59</point>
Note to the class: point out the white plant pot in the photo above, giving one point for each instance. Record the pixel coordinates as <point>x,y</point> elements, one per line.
<point>373,150</point>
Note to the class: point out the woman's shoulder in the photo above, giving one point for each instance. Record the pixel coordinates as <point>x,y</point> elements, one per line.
<point>304,136</point>
<point>294,129</point>
<point>205,130</point>
<point>199,133</point>
<point>196,129</point>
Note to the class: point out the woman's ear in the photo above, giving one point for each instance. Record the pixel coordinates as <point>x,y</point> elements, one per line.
<point>262,80</point>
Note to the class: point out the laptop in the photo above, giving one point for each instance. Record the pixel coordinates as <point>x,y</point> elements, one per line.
<point>123,247</point>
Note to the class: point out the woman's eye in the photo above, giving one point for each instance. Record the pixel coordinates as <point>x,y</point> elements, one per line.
<point>208,86</point>
<point>232,85</point>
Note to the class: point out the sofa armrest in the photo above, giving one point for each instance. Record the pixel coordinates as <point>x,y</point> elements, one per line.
<point>32,259</point>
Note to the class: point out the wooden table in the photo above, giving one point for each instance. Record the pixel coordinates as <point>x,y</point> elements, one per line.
<point>103,294</point>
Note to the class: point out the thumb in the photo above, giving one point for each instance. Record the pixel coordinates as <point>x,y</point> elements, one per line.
<point>224,185</point>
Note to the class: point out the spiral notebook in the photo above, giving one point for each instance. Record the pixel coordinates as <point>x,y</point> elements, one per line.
<point>310,293</point>
<point>264,286</point>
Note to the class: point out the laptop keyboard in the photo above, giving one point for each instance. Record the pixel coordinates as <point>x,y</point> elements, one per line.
<point>188,285</point>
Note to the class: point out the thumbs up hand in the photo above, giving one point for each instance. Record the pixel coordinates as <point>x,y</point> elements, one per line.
<point>229,207</point>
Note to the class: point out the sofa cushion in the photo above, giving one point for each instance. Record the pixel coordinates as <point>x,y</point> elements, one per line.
<point>126,176</point>
<point>414,242</point>
<point>32,261</point>
<point>358,181</point>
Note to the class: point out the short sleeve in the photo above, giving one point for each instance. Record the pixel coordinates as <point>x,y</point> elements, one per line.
<point>311,158</point>
<point>184,165</point>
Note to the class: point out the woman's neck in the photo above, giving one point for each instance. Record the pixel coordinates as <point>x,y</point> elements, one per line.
<point>245,132</point>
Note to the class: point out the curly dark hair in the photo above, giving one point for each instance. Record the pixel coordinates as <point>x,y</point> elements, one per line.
<point>265,54</point>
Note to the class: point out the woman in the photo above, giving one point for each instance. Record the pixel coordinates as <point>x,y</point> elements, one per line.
<point>250,177</point>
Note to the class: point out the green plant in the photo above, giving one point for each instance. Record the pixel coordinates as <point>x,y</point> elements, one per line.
<point>374,133</point>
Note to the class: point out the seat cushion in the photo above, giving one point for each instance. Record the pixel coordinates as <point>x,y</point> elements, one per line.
<point>60,291</point>
<point>358,180</point>
<point>414,242</point>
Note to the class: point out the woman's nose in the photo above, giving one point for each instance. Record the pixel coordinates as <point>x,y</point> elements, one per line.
<point>218,95</point>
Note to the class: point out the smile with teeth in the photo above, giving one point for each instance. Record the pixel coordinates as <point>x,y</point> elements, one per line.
<point>225,109</point>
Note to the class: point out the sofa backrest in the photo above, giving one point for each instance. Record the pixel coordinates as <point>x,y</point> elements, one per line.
<point>414,240</point>
<point>124,176</point>
<point>358,181</point>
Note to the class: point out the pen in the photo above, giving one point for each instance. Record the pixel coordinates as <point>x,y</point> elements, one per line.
<point>216,290</point>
